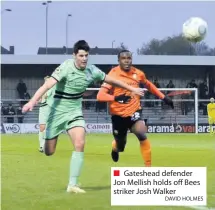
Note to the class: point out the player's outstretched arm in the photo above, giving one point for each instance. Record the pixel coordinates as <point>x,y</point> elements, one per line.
<point>104,96</point>
<point>39,93</point>
<point>118,83</point>
<point>155,91</point>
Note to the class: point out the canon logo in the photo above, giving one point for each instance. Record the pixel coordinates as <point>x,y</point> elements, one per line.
<point>98,126</point>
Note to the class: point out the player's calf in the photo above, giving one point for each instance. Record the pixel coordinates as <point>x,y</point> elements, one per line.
<point>145,148</point>
<point>77,136</point>
<point>139,130</point>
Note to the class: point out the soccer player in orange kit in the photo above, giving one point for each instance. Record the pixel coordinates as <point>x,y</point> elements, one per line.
<point>125,108</point>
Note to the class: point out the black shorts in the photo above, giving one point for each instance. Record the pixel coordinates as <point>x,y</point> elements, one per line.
<point>121,125</point>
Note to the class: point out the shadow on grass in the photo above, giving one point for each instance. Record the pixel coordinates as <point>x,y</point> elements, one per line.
<point>97,188</point>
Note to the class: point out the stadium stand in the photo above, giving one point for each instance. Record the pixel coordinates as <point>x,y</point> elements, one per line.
<point>94,112</point>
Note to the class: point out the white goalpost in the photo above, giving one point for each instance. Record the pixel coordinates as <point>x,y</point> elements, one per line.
<point>183,98</point>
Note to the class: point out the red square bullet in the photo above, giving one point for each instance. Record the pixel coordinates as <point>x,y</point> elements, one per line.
<point>116,173</point>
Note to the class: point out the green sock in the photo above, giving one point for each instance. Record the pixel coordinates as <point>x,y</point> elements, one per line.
<point>76,164</point>
<point>41,139</point>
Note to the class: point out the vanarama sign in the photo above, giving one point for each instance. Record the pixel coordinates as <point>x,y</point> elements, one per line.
<point>16,128</point>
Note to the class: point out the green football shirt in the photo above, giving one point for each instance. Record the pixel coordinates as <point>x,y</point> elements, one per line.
<point>72,84</point>
<point>43,101</point>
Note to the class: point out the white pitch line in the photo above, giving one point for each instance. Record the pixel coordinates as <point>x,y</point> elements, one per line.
<point>200,208</point>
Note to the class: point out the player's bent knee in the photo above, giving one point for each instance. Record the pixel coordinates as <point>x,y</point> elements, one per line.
<point>50,146</point>
<point>48,152</point>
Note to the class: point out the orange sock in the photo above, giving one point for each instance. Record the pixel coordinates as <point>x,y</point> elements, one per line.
<point>114,146</point>
<point>145,148</point>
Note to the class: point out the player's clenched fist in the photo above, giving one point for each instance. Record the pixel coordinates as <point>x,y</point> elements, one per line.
<point>168,101</point>
<point>28,107</point>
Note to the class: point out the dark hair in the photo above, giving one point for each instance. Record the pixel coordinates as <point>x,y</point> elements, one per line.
<point>81,45</point>
<point>122,51</point>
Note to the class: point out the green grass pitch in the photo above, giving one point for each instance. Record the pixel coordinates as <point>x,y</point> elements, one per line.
<point>32,181</point>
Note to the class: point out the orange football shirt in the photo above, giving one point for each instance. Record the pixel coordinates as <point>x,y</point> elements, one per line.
<point>133,78</point>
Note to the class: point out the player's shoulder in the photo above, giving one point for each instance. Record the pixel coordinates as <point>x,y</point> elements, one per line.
<point>69,63</point>
<point>93,71</point>
<point>114,70</point>
<point>138,71</point>
<point>91,68</point>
